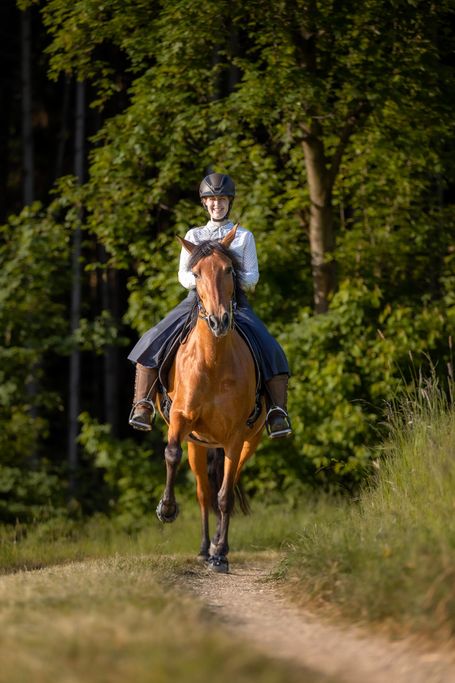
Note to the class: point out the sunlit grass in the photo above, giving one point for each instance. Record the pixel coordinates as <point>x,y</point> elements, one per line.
<point>90,600</point>
<point>121,619</point>
<point>62,540</point>
<point>391,555</point>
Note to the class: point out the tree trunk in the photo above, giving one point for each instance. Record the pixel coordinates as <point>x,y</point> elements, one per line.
<point>27,129</point>
<point>9,37</point>
<point>75,360</point>
<point>28,185</point>
<point>321,230</point>
<point>111,365</point>
<point>63,133</point>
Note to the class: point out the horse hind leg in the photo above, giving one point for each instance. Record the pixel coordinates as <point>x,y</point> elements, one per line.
<point>197,459</point>
<point>220,548</point>
<point>215,465</point>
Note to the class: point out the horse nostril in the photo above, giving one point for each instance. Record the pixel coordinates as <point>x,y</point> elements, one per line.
<point>225,321</point>
<point>213,322</point>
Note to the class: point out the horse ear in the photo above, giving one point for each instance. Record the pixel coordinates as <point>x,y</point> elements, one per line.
<point>229,238</point>
<point>189,246</point>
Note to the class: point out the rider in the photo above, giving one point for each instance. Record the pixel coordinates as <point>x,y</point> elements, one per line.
<point>217,192</point>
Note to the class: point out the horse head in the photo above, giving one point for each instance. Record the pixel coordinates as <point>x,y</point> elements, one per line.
<point>214,269</point>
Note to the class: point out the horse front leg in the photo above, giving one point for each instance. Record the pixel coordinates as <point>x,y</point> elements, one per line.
<point>167,509</point>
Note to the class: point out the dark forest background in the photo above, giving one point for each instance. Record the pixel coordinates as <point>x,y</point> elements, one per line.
<point>336,122</point>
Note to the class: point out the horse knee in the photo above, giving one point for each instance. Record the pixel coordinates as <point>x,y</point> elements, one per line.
<point>226,502</point>
<point>173,454</point>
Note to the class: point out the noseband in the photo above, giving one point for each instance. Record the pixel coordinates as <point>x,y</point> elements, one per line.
<point>232,306</point>
<point>203,315</point>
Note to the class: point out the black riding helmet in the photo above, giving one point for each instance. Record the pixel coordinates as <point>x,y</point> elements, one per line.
<point>217,185</point>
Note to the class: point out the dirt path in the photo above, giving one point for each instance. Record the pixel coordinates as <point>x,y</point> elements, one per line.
<point>253,608</point>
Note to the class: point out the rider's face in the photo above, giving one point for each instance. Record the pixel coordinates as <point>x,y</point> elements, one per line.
<point>217,207</point>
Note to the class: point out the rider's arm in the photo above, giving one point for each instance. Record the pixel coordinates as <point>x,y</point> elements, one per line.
<point>186,277</point>
<point>249,274</point>
<point>244,247</point>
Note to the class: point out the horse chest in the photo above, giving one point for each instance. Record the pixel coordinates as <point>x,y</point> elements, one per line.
<point>217,386</point>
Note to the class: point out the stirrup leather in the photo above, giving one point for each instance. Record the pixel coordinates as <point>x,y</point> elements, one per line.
<point>282,432</point>
<point>141,425</point>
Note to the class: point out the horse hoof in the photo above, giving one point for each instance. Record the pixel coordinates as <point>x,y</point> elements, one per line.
<point>166,519</point>
<point>202,557</point>
<point>219,564</point>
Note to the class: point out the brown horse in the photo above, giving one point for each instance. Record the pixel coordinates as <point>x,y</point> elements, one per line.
<point>212,385</point>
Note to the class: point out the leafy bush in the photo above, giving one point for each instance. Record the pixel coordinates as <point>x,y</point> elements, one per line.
<point>345,365</point>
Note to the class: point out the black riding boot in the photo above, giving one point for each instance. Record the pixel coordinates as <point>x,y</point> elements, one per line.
<point>142,413</point>
<point>277,421</point>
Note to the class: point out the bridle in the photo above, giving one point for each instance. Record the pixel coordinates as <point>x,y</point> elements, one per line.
<point>203,315</point>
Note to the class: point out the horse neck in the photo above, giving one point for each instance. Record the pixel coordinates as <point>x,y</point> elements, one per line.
<point>210,349</point>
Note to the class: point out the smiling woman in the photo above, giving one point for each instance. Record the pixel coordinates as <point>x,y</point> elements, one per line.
<point>218,207</point>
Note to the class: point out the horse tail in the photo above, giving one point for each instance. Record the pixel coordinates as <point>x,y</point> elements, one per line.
<point>242,499</point>
<point>215,468</point>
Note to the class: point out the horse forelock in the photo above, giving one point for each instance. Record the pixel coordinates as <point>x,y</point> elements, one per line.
<point>209,247</point>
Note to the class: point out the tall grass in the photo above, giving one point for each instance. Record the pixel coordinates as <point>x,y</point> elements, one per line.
<point>391,554</point>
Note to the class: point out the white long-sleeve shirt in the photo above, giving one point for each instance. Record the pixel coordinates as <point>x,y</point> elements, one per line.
<point>243,246</point>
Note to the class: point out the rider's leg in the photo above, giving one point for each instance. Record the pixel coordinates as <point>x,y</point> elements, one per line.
<point>143,412</point>
<point>274,368</point>
<point>277,421</point>
<point>148,355</point>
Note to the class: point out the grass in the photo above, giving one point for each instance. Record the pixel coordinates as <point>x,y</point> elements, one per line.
<point>390,556</point>
<point>93,602</point>
<point>117,620</point>
<point>61,540</point>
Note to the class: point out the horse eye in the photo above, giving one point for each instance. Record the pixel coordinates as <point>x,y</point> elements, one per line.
<point>229,270</point>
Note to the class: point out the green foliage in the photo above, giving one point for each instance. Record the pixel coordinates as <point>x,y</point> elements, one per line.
<point>346,364</point>
<point>240,92</point>
<point>155,289</point>
<point>26,495</point>
<point>133,473</point>
<point>34,250</point>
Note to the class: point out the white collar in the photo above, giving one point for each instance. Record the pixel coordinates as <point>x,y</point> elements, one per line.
<point>215,225</point>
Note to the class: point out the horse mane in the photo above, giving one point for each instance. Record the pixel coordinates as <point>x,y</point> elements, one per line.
<point>207,248</point>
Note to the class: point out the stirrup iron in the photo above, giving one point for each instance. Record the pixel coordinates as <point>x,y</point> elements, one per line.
<point>287,431</point>
<point>142,426</point>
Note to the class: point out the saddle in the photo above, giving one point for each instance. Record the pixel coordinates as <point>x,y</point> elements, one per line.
<point>169,353</point>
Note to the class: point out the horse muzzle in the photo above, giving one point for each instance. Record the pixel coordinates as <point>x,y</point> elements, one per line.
<point>219,326</point>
